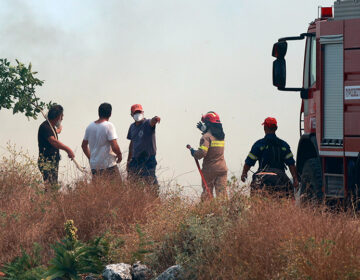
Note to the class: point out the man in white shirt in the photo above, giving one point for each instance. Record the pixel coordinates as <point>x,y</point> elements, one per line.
<point>100,144</point>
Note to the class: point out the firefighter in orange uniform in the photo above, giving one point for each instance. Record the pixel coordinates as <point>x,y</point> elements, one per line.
<point>211,149</point>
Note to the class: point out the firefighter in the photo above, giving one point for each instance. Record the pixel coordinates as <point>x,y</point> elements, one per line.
<point>212,151</point>
<point>273,154</point>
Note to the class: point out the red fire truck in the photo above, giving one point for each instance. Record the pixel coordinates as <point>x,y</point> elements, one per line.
<point>328,158</point>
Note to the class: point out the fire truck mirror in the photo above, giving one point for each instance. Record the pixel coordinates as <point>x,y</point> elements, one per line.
<point>304,93</point>
<point>279,73</point>
<point>279,49</point>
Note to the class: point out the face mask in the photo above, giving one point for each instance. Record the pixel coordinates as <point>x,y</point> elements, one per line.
<point>203,128</point>
<point>138,117</point>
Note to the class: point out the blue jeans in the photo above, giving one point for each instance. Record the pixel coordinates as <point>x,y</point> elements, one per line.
<point>144,168</point>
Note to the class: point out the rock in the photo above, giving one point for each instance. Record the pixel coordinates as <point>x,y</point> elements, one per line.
<point>172,273</point>
<point>120,271</point>
<point>141,272</point>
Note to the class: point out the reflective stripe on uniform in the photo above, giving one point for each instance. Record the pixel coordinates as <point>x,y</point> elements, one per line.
<point>204,148</point>
<point>289,155</point>
<point>217,144</point>
<point>253,157</point>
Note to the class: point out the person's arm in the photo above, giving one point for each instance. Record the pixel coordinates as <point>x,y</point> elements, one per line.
<point>58,145</point>
<point>116,149</point>
<point>85,148</point>
<point>130,154</point>
<point>203,148</point>
<point>251,159</point>
<point>245,172</point>
<point>290,162</point>
<point>293,172</point>
<point>154,121</point>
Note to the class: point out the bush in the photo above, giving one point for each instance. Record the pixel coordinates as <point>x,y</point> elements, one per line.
<point>29,215</point>
<point>25,267</point>
<point>239,238</point>
<point>196,240</point>
<point>73,258</point>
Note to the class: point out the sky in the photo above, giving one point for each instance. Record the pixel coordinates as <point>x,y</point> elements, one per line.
<point>178,58</point>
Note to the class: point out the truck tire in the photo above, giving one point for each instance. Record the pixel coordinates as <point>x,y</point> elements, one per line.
<point>357,172</point>
<point>355,189</point>
<point>310,189</point>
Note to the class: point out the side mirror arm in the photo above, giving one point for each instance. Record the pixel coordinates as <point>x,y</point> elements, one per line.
<point>294,38</point>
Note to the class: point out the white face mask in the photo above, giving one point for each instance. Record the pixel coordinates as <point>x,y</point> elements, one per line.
<point>138,117</point>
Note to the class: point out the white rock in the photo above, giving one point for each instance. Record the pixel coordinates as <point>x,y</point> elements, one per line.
<point>120,271</point>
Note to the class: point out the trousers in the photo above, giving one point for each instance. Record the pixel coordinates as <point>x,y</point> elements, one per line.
<point>144,169</point>
<point>216,181</point>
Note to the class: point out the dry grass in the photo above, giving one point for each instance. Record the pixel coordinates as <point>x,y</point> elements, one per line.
<point>239,238</point>
<point>28,214</point>
<point>276,240</point>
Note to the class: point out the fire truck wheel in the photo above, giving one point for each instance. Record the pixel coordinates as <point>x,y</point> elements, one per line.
<point>357,172</point>
<point>355,190</point>
<point>310,189</point>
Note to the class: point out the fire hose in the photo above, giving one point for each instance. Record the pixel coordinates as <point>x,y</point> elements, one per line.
<point>201,174</point>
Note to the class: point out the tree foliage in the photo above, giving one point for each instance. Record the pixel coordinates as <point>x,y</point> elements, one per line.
<point>17,89</point>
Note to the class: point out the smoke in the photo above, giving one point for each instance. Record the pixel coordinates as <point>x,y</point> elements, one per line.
<point>178,58</point>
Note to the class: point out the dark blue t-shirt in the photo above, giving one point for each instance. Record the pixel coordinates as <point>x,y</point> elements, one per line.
<point>143,138</point>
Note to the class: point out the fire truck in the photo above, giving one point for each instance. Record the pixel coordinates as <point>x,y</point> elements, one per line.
<point>328,160</point>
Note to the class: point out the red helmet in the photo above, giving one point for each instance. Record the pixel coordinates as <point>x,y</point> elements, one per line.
<point>270,122</point>
<point>211,117</point>
<point>136,107</point>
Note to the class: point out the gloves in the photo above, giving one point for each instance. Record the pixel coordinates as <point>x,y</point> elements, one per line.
<point>192,151</point>
<point>201,126</point>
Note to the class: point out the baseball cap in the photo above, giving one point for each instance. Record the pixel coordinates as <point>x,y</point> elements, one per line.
<point>270,122</point>
<point>136,107</point>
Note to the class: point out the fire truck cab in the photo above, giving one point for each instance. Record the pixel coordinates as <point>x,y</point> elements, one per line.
<point>328,159</point>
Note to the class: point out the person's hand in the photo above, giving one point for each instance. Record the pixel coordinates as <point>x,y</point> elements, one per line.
<point>201,126</point>
<point>70,154</point>
<point>119,158</point>
<point>59,129</point>
<point>243,177</point>
<point>157,119</point>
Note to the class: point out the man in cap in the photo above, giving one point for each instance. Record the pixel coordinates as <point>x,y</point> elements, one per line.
<point>273,155</point>
<point>142,149</point>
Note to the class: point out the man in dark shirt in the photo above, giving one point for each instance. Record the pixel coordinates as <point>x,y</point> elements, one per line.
<point>49,145</point>
<point>142,148</point>
<point>273,154</point>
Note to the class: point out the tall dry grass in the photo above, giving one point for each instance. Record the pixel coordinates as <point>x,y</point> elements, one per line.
<point>258,238</point>
<point>237,238</point>
<point>29,215</point>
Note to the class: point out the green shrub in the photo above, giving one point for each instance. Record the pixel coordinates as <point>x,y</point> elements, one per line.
<point>25,267</point>
<point>73,258</point>
<point>197,239</point>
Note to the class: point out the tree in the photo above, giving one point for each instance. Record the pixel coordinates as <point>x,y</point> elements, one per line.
<point>17,89</point>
